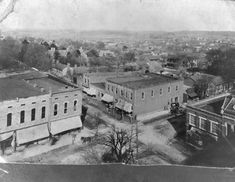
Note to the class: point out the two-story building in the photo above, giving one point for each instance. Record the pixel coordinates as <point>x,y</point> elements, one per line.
<point>143,94</point>
<point>35,106</point>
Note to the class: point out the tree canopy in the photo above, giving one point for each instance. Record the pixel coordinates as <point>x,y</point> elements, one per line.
<point>222,62</point>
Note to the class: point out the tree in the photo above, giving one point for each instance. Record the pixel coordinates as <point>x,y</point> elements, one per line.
<point>9,50</point>
<point>129,56</point>
<point>119,145</point>
<point>201,87</point>
<point>100,45</point>
<point>221,62</point>
<point>93,53</point>
<point>36,56</point>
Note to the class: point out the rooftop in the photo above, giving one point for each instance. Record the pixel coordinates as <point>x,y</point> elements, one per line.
<point>142,80</point>
<point>214,107</point>
<point>99,85</point>
<point>11,88</point>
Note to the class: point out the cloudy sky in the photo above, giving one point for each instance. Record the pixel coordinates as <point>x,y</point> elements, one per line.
<point>163,15</point>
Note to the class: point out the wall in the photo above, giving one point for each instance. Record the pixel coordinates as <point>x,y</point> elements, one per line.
<point>157,102</point>
<point>66,96</point>
<point>26,104</point>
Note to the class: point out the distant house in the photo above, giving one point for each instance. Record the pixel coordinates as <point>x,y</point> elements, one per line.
<point>216,84</point>
<point>211,119</point>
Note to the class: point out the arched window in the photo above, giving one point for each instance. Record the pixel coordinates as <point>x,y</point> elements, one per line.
<point>33,113</point>
<point>55,109</point>
<point>9,119</point>
<point>65,107</point>
<point>22,116</point>
<point>75,103</point>
<point>43,115</point>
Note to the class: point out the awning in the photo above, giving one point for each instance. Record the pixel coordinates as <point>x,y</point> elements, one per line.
<point>107,98</point>
<point>128,107</point>
<point>65,125</point>
<point>31,134</point>
<point>90,91</point>
<point>5,136</point>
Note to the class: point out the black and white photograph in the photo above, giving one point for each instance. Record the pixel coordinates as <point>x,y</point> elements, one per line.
<point>117,90</point>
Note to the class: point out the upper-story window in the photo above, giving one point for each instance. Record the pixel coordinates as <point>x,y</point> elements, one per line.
<point>33,113</point>
<point>169,89</point>
<point>192,119</point>
<point>152,93</point>
<point>122,93</point>
<point>43,114</point>
<point>9,119</point>
<point>142,95</point>
<point>177,87</point>
<point>160,91</point>
<point>126,94</point>
<point>22,116</point>
<point>131,96</point>
<point>116,90</point>
<point>65,107</point>
<point>108,87</point>
<point>75,103</point>
<point>214,127</point>
<point>55,109</point>
<point>112,88</point>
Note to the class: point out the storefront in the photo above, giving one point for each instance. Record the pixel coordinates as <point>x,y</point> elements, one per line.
<point>67,124</point>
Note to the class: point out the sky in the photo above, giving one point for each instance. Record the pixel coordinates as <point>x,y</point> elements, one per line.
<point>137,15</point>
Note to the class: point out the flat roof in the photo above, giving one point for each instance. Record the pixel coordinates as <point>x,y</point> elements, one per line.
<point>99,85</point>
<point>142,80</point>
<point>214,107</point>
<point>11,88</point>
<point>48,83</point>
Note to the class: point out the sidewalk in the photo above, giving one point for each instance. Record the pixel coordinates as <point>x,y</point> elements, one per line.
<point>44,147</point>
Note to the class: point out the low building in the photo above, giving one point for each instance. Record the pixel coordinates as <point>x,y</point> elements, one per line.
<point>143,94</point>
<point>215,84</point>
<point>35,106</point>
<point>211,119</point>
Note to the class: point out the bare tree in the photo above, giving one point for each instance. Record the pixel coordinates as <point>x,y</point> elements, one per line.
<point>118,142</point>
<point>7,8</point>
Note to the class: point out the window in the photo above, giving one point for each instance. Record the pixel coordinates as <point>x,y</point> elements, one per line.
<point>169,89</point>
<point>214,128</point>
<point>75,105</point>
<point>142,95</point>
<point>65,107</point>
<point>122,93</point>
<point>176,99</point>
<point>203,123</point>
<point>126,94</point>
<point>176,88</point>
<point>9,119</point>
<point>43,115</point>
<point>131,96</point>
<point>22,116</point>
<point>112,88</point>
<point>160,91</point>
<point>33,112</point>
<point>108,88</point>
<point>152,93</point>
<point>116,91</point>
<point>55,109</point>
<point>192,119</point>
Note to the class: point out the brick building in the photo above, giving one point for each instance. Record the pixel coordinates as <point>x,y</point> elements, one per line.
<point>211,119</point>
<point>34,106</point>
<point>143,94</point>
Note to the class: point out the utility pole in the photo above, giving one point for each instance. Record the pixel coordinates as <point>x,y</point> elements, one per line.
<point>137,140</point>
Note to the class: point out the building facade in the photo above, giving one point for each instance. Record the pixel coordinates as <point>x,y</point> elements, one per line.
<point>210,119</point>
<point>145,93</point>
<point>36,107</point>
